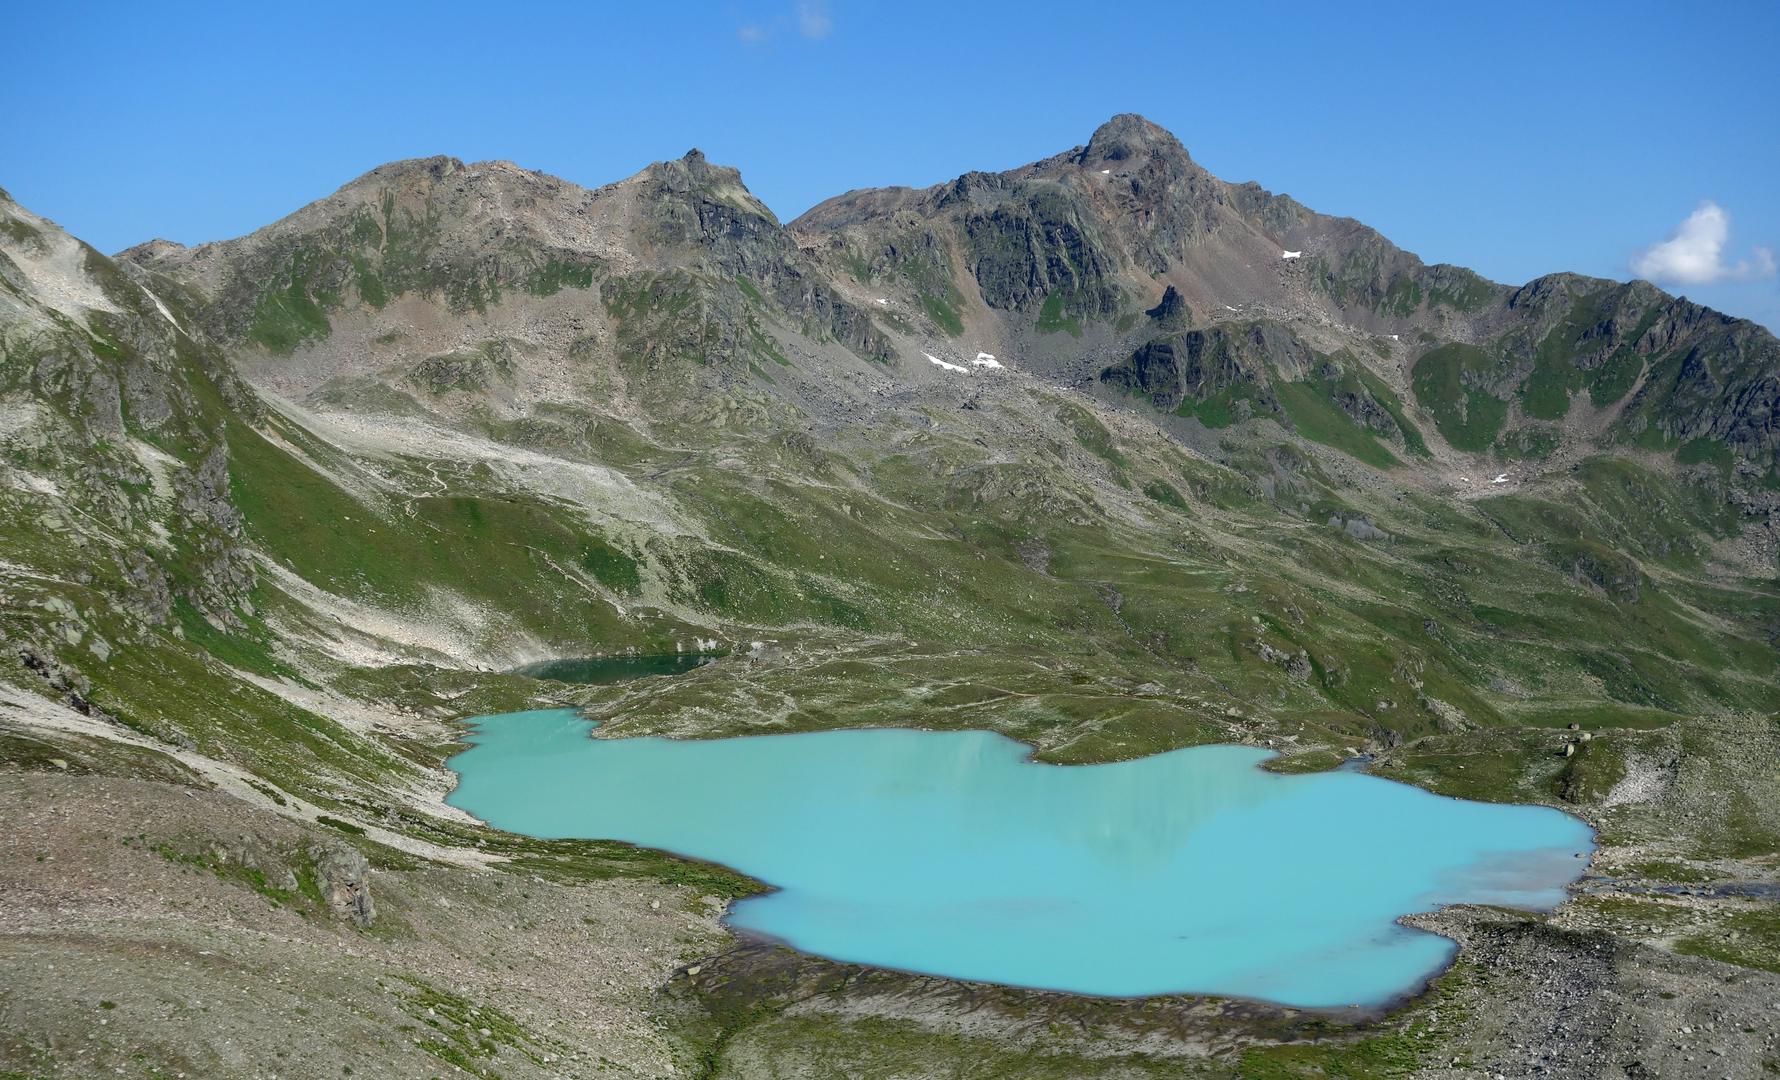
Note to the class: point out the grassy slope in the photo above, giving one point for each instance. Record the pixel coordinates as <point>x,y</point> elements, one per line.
<point>1051,599</point>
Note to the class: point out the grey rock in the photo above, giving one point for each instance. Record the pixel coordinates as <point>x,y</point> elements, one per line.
<point>345,878</point>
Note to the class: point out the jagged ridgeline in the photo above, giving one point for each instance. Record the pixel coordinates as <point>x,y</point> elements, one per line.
<point>1102,451</point>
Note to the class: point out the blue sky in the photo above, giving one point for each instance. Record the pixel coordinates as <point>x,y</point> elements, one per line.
<point>1515,139</point>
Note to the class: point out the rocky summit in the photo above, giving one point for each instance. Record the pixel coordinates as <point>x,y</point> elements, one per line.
<point>1102,453</point>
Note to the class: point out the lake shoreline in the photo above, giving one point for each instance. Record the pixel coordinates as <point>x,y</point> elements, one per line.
<point>1000,748</point>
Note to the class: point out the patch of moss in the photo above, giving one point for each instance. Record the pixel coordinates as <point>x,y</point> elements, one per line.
<point>1316,417</point>
<point>1054,319</point>
<point>1589,773</point>
<point>286,318</point>
<point>1223,408</point>
<point>1376,1058</point>
<point>555,275</point>
<point>1448,382</point>
<point>1706,452</point>
<point>465,1032</point>
<point>346,827</point>
<point>944,315</point>
<point>1748,939</point>
<point>20,231</point>
<point>1461,289</point>
<point>1529,443</point>
<point>1093,436</point>
<point>1163,492</point>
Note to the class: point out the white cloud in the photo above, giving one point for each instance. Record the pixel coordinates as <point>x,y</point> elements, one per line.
<point>813,20</point>
<point>1695,254</point>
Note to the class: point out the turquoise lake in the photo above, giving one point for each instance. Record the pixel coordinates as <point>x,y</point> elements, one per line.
<point>952,853</point>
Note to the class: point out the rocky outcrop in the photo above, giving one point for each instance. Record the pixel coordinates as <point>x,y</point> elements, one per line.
<point>1359,528</point>
<point>1614,574</point>
<point>344,878</point>
<point>221,567</point>
<point>131,477</point>
<point>1197,364</point>
<point>1171,314</point>
<point>1297,665</point>
<point>1035,242</point>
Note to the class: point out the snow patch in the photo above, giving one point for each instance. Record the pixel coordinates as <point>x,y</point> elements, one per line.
<point>884,301</point>
<point>1501,478</point>
<point>987,360</point>
<point>1291,254</point>
<point>937,362</point>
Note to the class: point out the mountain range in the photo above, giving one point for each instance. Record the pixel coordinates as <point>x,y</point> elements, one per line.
<point>1102,452</point>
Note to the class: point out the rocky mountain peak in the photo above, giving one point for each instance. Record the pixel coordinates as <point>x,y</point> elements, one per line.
<point>1128,137</point>
<point>694,180</point>
<point>437,167</point>
<point>149,250</point>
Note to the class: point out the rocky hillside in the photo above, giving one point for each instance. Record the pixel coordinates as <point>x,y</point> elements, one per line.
<point>1102,452</point>
<point>1125,260</point>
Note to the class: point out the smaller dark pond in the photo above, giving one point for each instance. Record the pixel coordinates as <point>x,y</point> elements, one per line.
<point>611,669</point>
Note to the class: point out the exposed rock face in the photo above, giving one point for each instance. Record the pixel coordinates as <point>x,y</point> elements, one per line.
<point>127,405</point>
<point>39,661</point>
<point>1199,363</point>
<point>1171,313</point>
<point>222,567</point>
<point>1089,236</point>
<point>1033,241</point>
<point>1614,574</point>
<point>1359,528</point>
<point>345,879</point>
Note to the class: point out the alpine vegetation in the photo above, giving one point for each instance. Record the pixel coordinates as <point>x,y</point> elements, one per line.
<point>1206,569</point>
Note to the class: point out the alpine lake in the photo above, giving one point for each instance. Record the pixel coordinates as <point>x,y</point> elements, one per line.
<point>955,854</point>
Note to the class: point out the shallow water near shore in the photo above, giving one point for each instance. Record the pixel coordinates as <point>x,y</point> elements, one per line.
<point>952,853</point>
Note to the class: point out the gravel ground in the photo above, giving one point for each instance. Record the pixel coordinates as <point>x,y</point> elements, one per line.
<point>140,958</point>
<point>1544,1001</point>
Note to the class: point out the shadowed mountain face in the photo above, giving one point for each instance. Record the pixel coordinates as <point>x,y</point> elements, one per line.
<point>1103,453</point>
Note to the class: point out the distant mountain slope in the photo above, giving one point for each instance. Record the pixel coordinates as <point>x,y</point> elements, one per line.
<point>1054,262</point>
<point>501,417</point>
<point>1062,256</point>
